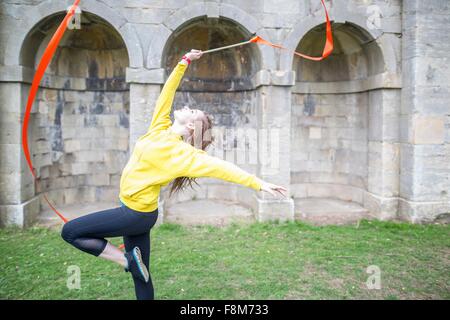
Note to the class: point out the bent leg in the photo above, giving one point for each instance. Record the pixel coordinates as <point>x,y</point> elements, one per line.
<point>88,233</point>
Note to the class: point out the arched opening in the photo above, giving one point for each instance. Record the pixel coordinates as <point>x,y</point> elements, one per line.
<point>356,55</point>
<point>220,83</point>
<point>80,125</point>
<point>330,124</point>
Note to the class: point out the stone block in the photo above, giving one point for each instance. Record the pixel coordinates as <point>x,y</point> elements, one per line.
<point>98,179</point>
<point>315,133</point>
<point>70,132</point>
<point>282,6</point>
<point>273,22</point>
<point>80,168</point>
<point>428,130</point>
<point>77,120</point>
<point>44,159</point>
<point>330,177</point>
<point>299,190</point>
<point>113,132</point>
<point>270,210</point>
<point>106,193</point>
<point>43,107</point>
<point>10,98</point>
<point>89,193</point>
<point>22,215</point>
<point>72,145</point>
<point>41,146</point>
<point>10,188</point>
<point>71,195</point>
<point>90,133</point>
<point>381,207</point>
<point>44,172</point>
<point>108,120</point>
<point>144,15</point>
<point>111,157</point>
<point>11,132</point>
<point>115,179</point>
<point>88,156</point>
<point>223,191</point>
<point>342,192</point>
<point>423,212</point>
<point>11,158</point>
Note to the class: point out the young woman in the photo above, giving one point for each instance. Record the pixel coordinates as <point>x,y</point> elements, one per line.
<point>167,152</point>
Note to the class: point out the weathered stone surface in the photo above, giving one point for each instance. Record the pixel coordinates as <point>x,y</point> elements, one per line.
<point>370,124</point>
<point>424,178</point>
<point>428,130</point>
<point>22,215</point>
<point>325,211</point>
<point>211,212</point>
<point>267,210</point>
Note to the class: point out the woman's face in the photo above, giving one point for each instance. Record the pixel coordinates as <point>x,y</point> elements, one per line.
<point>187,115</point>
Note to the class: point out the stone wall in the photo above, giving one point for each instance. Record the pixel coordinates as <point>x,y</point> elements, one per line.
<point>425,112</point>
<point>358,107</point>
<point>80,145</point>
<point>330,146</point>
<point>82,117</point>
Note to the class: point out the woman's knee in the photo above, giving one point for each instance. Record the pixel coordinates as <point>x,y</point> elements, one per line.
<point>68,232</point>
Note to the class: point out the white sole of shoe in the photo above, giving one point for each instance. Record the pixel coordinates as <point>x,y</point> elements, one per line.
<point>142,268</point>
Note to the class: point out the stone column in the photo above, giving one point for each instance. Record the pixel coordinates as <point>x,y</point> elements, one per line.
<point>145,87</point>
<point>18,203</point>
<point>274,121</point>
<point>425,111</point>
<point>381,197</point>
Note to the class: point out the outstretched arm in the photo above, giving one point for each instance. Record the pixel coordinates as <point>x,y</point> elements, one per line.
<point>161,114</point>
<point>204,165</point>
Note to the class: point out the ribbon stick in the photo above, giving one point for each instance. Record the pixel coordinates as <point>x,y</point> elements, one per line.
<point>227,47</point>
<point>43,64</point>
<point>327,50</point>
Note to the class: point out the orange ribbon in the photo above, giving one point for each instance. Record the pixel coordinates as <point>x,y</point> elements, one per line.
<point>43,64</point>
<point>327,50</point>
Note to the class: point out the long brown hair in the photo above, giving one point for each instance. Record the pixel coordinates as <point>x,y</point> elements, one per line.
<point>201,137</point>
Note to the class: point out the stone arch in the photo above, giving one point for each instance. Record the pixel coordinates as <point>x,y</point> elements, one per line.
<point>49,8</point>
<point>82,110</point>
<point>345,103</point>
<point>211,10</point>
<point>225,71</point>
<point>356,55</point>
<point>230,96</point>
<point>303,27</point>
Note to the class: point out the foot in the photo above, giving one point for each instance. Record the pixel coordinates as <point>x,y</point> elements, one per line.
<point>135,264</point>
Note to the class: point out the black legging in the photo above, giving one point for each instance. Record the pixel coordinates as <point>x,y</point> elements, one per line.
<point>87,233</point>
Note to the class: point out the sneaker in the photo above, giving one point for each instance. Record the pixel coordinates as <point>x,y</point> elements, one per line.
<point>135,264</point>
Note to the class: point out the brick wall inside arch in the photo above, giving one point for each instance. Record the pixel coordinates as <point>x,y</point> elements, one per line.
<point>81,121</point>
<point>331,115</point>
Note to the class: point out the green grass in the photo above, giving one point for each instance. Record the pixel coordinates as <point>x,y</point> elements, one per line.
<point>257,261</point>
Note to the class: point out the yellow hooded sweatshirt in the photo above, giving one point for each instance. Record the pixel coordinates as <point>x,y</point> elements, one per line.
<point>161,155</point>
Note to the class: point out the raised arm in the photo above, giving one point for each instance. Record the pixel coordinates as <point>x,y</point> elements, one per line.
<point>161,114</point>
